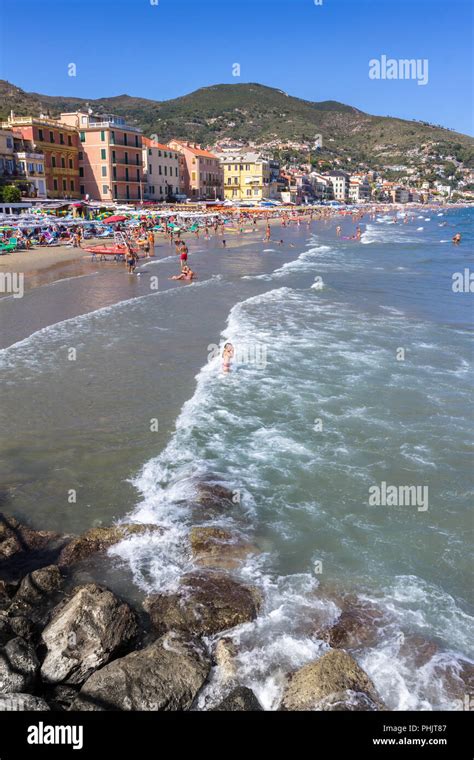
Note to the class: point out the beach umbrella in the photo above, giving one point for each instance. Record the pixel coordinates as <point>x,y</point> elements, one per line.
<point>113,219</point>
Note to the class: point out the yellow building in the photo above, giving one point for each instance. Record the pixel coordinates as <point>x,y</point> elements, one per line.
<point>246,177</point>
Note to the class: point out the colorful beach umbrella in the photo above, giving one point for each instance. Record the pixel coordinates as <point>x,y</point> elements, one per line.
<point>113,219</point>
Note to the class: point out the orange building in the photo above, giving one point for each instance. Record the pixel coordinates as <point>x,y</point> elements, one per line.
<point>110,156</point>
<point>60,145</point>
<point>202,175</point>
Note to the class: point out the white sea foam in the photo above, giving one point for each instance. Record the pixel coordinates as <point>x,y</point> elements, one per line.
<point>253,431</point>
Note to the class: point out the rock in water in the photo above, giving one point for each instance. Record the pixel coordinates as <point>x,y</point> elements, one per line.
<point>23,549</point>
<point>19,666</point>
<point>215,547</point>
<point>22,702</point>
<point>85,633</point>
<point>334,682</point>
<point>99,539</point>
<point>213,495</point>
<point>167,675</point>
<point>205,604</point>
<point>224,656</point>
<point>355,627</point>
<point>240,699</point>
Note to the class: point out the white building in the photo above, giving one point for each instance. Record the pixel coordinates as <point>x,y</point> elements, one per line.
<point>161,170</point>
<point>359,189</point>
<point>443,189</point>
<point>340,184</point>
<point>322,186</point>
<point>32,166</point>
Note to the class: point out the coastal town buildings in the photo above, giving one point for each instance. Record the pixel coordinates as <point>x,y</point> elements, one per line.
<point>201,171</point>
<point>400,195</point>
<point>7,158</point>
<point>322,187</point>
<point>109,156</point>
<point>247,177</point>
<point>359,189</point>
<point>30,166</point>
<point>161,171</point>
<point>59,144</point>
<point>21,165</point>
<point>340,183</point>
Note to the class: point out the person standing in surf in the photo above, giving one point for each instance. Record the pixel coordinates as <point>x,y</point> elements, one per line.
<point>227,356</point>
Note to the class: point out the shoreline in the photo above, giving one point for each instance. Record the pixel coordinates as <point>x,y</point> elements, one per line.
<point>205,542</point>
<point>41,263</point>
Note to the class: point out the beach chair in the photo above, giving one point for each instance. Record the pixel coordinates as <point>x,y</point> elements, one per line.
<point>10,246</point>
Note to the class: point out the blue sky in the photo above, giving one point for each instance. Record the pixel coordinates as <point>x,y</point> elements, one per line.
<point>317,52</point>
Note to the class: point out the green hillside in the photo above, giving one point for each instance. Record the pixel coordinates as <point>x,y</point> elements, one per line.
<point>254,112</point>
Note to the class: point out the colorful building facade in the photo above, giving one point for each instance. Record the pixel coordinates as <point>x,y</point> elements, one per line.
<point>161,166</point>
<point>110,156</point>
<point>202,175</point>
<point>59,144</point>
<point>247,177</point>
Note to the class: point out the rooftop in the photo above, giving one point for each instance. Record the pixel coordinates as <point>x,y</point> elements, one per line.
<point>149,143</point>
<point>195,150</point>
<point>23,121</point>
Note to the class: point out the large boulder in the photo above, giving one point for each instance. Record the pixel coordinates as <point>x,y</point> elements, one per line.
<point>19,666</point>
<point>99,539</point>
<point>6,631</point>
<point>218,548</point>
<point>205,604</point>
<point>214,496</point>
<point>85,633</point>
<point>38,592</point>
<point>166,675</point>
<point>240,699</point>
<point>334,682</point>
<point>22,702</point>
<point>5,597</point>
<point>457,677</point>
<point>357,626</point>
<point>60,697</point>
<point>224,655</point>
<point>417,650</point>
<point>23,549</point>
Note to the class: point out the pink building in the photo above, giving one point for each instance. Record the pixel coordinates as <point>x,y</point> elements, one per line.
<point>202,176</point>
<point>110,156</point>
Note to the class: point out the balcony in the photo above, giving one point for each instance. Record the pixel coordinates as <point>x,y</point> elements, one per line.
<point>122,144</point>
<point>65,171</point>
<point>129,181</point>
<point>113,123</point>
<point>122,162</point>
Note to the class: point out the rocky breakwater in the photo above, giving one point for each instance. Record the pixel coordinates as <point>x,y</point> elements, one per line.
<point>70,646</point>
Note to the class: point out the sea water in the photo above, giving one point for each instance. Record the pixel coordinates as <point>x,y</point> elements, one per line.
<point>364,377</point>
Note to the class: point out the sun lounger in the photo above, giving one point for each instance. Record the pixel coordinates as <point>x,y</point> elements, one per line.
<point>10,246</point>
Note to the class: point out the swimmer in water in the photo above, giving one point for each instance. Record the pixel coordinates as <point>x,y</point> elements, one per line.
<point>186,274</point>
<point>338,230</point>
<point>457,238</point>
<point>227,356</point>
